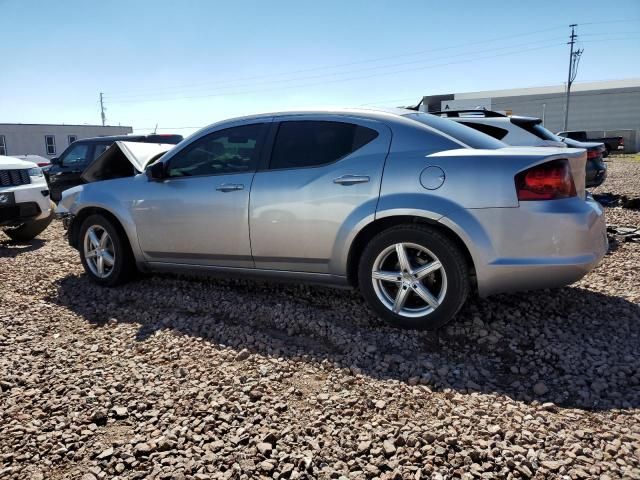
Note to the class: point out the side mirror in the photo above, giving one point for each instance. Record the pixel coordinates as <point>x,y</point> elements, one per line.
<point>56,161</point>
<point>155,172</point>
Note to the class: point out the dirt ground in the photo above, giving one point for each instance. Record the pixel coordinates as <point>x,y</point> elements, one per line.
<point>176,378</point>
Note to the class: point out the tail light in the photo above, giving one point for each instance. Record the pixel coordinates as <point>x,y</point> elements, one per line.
<point>621,142</point>
<point>43,164</point>
<point>548,181</point>
<point>592,154</point>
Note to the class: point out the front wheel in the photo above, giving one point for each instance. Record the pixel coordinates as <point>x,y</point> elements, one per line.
<point>104,252</point>
<point>414,277</point>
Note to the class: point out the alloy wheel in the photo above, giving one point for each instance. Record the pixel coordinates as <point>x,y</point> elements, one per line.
<point>99,251</point>
<point>409,279</point>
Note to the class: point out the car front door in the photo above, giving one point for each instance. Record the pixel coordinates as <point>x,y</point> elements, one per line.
<point>198,214</point>
<point>324,173</point>
<point>66,173</point>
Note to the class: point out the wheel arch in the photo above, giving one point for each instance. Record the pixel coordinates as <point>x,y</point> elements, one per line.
<point>83,214</point>
<point>372,229</point>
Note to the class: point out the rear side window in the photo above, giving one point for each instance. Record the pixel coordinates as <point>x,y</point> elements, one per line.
<point>462,133</point>
<point>495,132</point>
<point>99,149</point>
<point>311,143</point>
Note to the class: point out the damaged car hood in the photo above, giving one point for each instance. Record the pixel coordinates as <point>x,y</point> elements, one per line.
<point>124,159</point>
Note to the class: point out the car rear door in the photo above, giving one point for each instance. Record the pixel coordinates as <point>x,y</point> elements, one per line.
<point>322,177</point>
<point>198,214</point>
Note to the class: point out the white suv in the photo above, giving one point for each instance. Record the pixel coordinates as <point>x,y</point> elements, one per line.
<point>512,130</point>
<point>25,207</point>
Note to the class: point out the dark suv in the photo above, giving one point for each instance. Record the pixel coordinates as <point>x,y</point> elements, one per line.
<point>66,170</point>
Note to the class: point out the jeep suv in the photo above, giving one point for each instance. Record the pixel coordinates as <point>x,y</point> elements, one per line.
<point>25,207</point>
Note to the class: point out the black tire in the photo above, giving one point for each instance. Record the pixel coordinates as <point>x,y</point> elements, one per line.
<point>453,264</point>
<point>124,265</point>
<point>30,230</point>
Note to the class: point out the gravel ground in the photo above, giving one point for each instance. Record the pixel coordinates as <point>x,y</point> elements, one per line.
<point>184,378</point>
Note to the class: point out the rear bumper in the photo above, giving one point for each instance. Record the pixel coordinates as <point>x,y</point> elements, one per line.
<point>538,245</point>
<point>596,173</point>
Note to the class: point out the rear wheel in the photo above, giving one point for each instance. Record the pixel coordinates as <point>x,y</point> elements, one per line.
<point>414,277</point>
<point>29,230</point>
<point>104,252</point>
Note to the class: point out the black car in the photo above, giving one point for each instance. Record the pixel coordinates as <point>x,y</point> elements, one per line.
<point>65,171</point>
<point>596,168</point>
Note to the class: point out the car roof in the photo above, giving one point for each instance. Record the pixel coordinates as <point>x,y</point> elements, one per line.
<point>126,138</point>
<point>110,138</point>
<point>375,113</point>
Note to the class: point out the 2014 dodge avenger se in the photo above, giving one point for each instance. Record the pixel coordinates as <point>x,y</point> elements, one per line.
<point>415,210</point>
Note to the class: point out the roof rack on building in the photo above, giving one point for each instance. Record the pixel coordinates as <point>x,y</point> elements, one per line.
<point>478,112</point>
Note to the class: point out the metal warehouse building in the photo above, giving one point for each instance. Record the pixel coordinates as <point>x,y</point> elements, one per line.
<point>47,140</point>
<point>601,108</point>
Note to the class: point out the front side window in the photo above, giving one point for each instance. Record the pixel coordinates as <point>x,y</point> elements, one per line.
<point>232,150</point>
<point>310,143</point>
<point>77,155</point>
<point>72,138</point>
<point>50,143</point>
<point>3,145</point>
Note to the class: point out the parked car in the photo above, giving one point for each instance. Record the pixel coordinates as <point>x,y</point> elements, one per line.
<point>414,209</point>
<point>25,207</point>
<point>529,131</point>
<point>66,170</point>
<point>41,162</point>
<point>612,144</point>
<point>596,168</point>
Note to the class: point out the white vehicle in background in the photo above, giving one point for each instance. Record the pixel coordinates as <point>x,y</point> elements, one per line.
<point>37,159</point>
<point>25,207</point>
<point>512,130</point>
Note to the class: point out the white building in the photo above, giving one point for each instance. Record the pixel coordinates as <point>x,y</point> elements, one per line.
<point>608,108</point>
<point>47,140</point>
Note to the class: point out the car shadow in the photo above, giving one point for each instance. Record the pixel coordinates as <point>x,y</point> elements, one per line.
<point>11,248</point>
<point>555,340</point>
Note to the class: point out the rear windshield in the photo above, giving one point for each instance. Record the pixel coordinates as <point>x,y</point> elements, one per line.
<point>464,134</point>
<point>537,129</point>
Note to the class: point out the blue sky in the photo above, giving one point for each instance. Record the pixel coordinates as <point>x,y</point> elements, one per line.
<point>187,64</point>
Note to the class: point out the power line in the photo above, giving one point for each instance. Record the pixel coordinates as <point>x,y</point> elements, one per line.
<point>244,92</point>
<point>359,62</point>
<point>375,67</point>
<point>234,81</point>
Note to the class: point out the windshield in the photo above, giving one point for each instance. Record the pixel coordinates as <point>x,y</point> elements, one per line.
<point>464,134</point>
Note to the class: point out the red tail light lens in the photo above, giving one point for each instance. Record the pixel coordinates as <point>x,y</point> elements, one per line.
<point>549,181</point>
<point>591,154</point>
<point>621,141</point>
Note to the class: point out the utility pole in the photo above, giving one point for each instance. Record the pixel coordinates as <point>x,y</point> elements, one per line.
<point>104,118</point>
<point>574,59</point>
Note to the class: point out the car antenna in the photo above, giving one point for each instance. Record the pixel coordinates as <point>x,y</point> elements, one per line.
<point>155,129</point>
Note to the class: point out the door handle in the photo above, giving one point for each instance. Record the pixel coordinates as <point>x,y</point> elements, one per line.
<point>351,179</point>
<point>230,187</point>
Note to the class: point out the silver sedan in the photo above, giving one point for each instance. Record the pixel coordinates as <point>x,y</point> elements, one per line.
<point>415,210</point>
